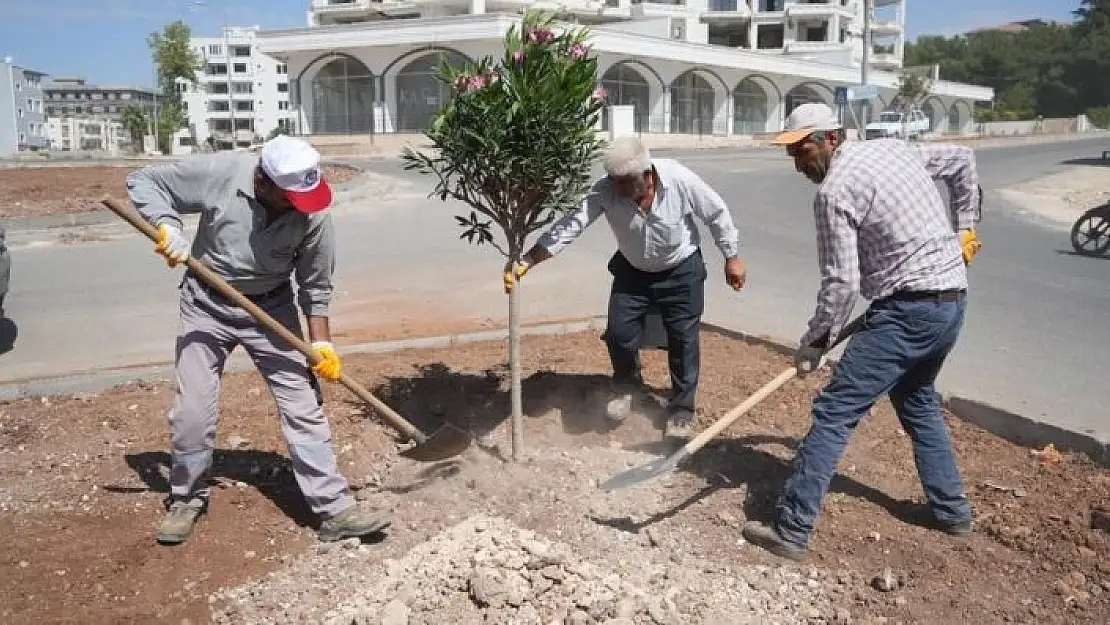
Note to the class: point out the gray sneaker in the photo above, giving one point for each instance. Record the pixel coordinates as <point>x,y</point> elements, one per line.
<point>353,522</point>
<point>179,521</point>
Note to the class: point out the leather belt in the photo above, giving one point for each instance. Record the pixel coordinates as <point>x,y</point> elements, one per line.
<point>947,295</point>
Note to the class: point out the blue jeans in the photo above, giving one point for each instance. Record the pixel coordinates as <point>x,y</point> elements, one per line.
<point>898,350</point>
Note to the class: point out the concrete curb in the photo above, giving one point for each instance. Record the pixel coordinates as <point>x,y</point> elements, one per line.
<point>96,381</point>
<point>1015,428</point>
<point>1012,427</point>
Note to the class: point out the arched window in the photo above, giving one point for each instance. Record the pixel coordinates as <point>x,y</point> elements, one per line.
<point>800,95</point>
<point>626,86</point>
<point>343,98</point>
<point>420,92</point>
<point>693,105</point>
<point>751,108</point>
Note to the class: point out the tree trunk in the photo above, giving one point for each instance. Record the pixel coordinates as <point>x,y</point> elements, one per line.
<point>515,394</point>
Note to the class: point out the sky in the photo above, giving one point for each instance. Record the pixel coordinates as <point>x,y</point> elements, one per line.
<point>105,40</point>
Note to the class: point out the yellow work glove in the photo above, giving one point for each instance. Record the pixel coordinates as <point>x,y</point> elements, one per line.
<point>512,276</point>
<point>172,244</point>
<point>329,366</point>
<point>969,244</point>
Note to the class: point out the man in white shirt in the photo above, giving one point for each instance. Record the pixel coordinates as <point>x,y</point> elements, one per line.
<point>651,206</point>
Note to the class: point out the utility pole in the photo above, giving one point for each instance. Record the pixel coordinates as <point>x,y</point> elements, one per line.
<point>865,64</point>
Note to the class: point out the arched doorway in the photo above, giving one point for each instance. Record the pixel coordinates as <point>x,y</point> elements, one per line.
<point>959,117</point>
<point>626,86</point>
<point>343,98</point>
<point>934,110</point>
<point>420,92</point>
<point>693,105</point>
<point>802,94</point>
<point>751,108</point>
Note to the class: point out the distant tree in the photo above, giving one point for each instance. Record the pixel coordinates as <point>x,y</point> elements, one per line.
<point>136,123</point>
<point>176,61</point>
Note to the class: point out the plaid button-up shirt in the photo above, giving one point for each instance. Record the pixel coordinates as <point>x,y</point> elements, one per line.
<point>882,226</point>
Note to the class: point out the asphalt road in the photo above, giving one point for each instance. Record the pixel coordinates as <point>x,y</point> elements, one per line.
<point>1033,343</point>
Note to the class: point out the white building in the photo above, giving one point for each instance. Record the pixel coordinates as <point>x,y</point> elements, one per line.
<point>685,66</point>
<point>238,87</point>
<point>87,134</point>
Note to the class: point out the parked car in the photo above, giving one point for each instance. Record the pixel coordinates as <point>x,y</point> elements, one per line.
<point>5,269</point>
<point>898,124</point>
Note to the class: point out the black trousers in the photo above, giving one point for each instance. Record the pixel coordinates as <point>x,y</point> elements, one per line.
<point>679,294</point>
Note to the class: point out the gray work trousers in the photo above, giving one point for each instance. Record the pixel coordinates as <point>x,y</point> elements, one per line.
<point>210,328</point>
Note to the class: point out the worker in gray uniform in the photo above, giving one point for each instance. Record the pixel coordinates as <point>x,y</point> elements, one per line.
<point>262,219</point>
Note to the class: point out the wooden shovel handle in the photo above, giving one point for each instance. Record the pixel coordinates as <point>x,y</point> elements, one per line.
<point>712,431</point>
<point>135,219</point>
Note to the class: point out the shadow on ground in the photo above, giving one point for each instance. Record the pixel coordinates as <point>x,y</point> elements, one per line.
<point>270,473</point>
<point>733,463</point>
<point>479,402</point>
<point>1092,160</point>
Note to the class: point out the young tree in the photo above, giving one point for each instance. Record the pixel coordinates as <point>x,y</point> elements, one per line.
<point>516,143</point>
<point>913,88</point>
<point>175,59</point>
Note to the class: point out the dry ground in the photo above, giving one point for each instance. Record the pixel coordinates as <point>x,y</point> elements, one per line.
<point>82,480</point>
<point>42,191</point>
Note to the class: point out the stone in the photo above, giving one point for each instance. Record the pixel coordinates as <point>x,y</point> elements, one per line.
<point>886,581</point>
<point>395,613</point>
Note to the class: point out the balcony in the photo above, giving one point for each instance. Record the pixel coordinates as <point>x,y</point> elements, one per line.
<point>886,27</point>
<point>812,47</point>
<point>822,10</point>
<point>727,12</point>
<point>886,61</point>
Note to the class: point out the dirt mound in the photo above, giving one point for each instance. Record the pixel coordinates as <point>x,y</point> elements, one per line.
<point>487,570</point>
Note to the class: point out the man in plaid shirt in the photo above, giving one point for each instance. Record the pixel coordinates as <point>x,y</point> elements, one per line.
<point>882,231</point>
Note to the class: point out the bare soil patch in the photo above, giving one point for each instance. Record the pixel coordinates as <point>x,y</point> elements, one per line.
<point>82,480</point>
<point>1061,197</point>
<point>43,191</point>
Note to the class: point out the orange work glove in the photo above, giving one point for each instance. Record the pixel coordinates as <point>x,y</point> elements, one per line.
<point>969,244</point>
<point>172,244</point>
<point>329,366</point>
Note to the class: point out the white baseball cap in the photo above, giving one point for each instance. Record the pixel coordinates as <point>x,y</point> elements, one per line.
<point>294,166</point>
<point>805,120</point>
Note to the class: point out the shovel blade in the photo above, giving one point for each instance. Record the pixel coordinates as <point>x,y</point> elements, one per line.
<point>446,442</point>
<point>644,472</point>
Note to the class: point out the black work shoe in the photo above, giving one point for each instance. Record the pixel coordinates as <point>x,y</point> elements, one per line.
<point>923,515</point>
<point>767,537</point>
<point>680,425</point>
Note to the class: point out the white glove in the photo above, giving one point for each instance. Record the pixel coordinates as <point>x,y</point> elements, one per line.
<point>172,244</point>
<point>808,359</point>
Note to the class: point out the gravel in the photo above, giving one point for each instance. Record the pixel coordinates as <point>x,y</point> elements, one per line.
<point>487,570</point>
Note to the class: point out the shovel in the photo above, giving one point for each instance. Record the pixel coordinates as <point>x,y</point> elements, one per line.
<point>659,466</point>
<point>446,442</point>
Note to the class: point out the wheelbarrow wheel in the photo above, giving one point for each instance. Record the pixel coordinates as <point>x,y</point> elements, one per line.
<point>1090,235</point>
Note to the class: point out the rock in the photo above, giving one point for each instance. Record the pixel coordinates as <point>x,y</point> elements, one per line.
<point>395,613</point>
<point>886,581</point>
<point>237,442</point>
<point>351,543</point>
<point>900,602</point>
<point>1061,588</point>
<point>1076,579</point>
<point>1087,552</point>
<point>842,617</point>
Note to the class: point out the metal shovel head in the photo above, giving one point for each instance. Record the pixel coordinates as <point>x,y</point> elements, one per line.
<point>645,472</point>
<point>446,442</point>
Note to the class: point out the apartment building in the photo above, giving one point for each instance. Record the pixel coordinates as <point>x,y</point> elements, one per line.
<point>238,88</point>
<point>22,122</point>
<point>73,96</point>
<point>87,134</point>
<point>718,67</point>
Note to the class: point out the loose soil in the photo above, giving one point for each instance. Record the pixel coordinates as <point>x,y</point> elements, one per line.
<point>479,539</point>
<point>43,191</point>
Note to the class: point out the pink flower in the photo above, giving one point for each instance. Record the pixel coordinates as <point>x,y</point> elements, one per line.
<point>518,57</point>
<point>539,35</point>
<point>600,93</point>
<point>578,51</point>
<point>471,83</point>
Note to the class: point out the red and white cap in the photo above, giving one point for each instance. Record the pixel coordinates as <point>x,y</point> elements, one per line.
<point>294,166</point>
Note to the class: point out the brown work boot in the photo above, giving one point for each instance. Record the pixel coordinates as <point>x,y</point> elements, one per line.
<point>179,521</point>
<point>353,522</point>
<point>766,536</point>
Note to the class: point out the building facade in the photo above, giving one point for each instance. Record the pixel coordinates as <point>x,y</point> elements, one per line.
<point>87,134</point>
<point>22,116</point>
<point>239,88</point>
<point>365,67</point>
